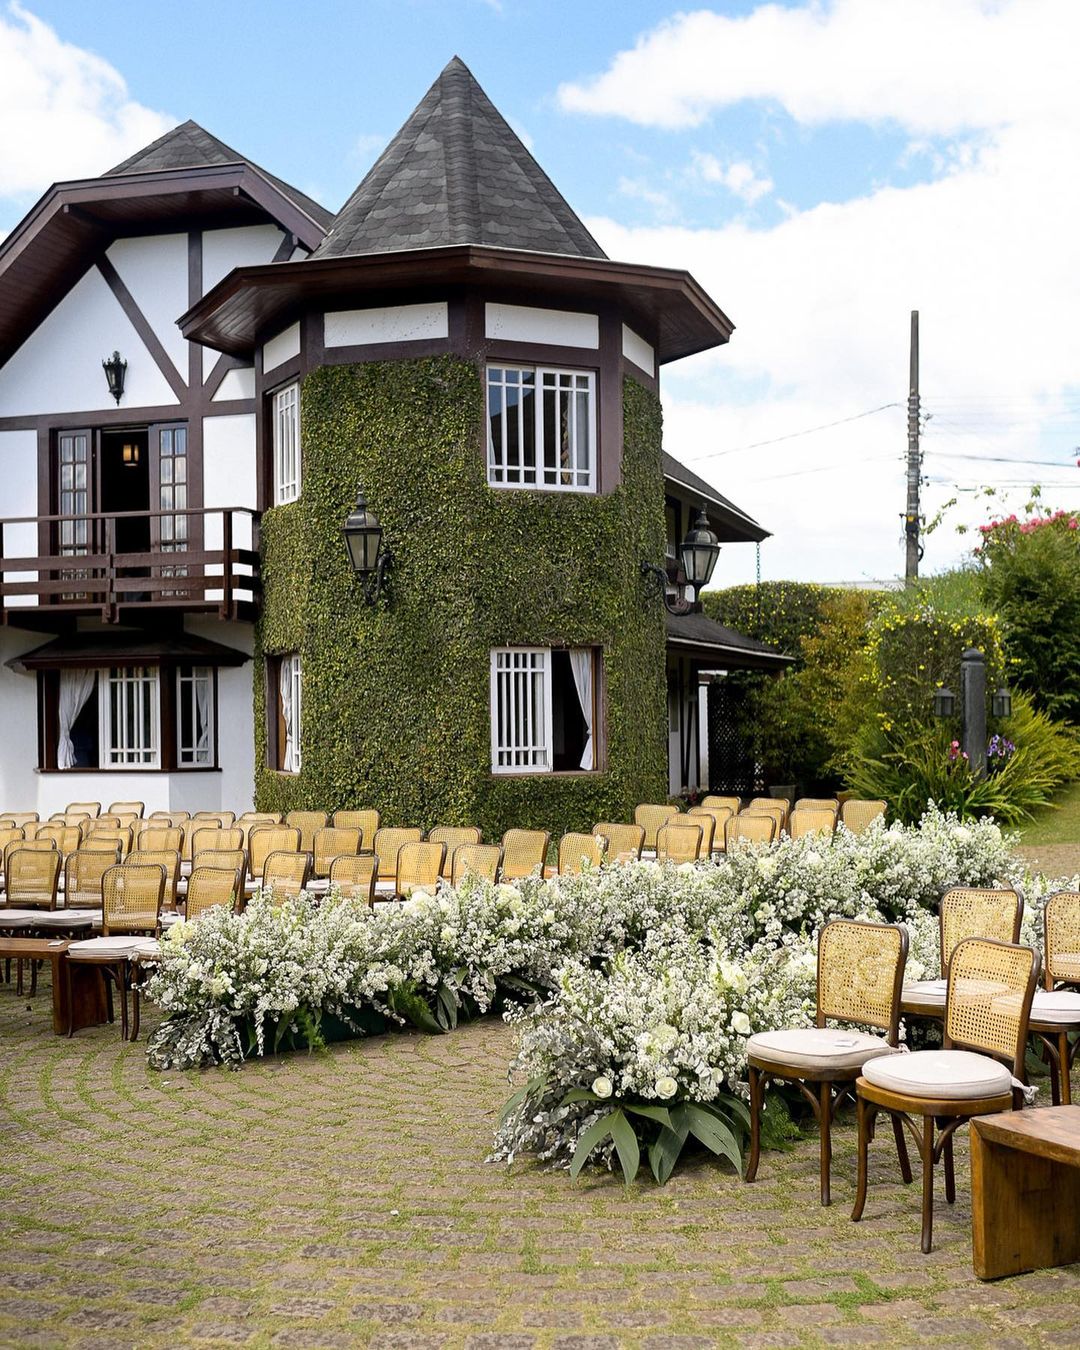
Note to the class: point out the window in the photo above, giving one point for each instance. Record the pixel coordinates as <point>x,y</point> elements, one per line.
<point>541,428</point>
<point>286,439</point>
<point>543,710</point>
<point>285,689</point>
<point>195,716</point>
<point>129,717</point>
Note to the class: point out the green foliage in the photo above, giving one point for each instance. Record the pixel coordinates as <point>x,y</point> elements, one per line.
<point>780,613</point>
<point>396,698</point>
<point>1030,575</point>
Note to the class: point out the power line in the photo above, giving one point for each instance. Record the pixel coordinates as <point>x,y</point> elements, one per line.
<point>792,435</point>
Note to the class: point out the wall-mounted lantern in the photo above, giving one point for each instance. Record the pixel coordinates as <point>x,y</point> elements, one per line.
<point>1001,703</point>
<point>944,702</point>
<point>363,538</point>
<point>130,455</point>
<point>115,369</point>
<point>698,553</point>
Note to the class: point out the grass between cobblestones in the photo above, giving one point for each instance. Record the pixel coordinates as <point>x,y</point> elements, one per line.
<point>342,1199</point>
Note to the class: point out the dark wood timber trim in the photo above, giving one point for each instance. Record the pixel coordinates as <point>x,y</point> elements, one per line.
<point>221,368</point>
<point>194,287</point>
<point>385,351</point>
<point>609,405</point>
<point>286,373</point>
<point>138,321</point>
<point>285,248</point>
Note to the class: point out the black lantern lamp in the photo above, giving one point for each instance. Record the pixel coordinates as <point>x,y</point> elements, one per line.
<point>1001,703</point>
<point>363,538</point>
<point>130,455</point>
<point>944,702</point>
<point>115,369</point>
<point>698,553</point>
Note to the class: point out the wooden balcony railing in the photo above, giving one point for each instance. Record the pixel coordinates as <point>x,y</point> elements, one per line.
<point>200,560</point>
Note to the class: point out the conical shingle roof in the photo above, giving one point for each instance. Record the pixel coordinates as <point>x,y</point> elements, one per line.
<point>456,174</point>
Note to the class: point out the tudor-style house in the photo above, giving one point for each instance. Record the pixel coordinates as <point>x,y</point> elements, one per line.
<point>199,367</point>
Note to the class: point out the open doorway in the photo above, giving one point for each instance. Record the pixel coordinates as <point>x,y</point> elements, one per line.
<point>125,486</point>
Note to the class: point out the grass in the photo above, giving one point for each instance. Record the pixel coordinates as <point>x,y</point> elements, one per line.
<point>1057,824</point>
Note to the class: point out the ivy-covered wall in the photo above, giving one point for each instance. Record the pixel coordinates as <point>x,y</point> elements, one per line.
<point>396,699</point>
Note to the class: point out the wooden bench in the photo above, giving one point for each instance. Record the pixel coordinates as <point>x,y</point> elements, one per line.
<point>1025,1190</point>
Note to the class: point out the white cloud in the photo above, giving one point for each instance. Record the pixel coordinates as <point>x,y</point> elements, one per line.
<point>737,176</point>
<point>64,112</point>
<point>639,190</point>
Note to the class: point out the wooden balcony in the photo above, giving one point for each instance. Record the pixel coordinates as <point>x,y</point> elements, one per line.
<point>125,565</point>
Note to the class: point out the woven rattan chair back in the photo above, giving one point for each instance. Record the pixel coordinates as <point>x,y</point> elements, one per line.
<point>858,815</point>
<point>168,819</point>
<point>229,859</point>
<point>307,822</point>
<point>226,819</point>
<point>810,820</point>
<point>286,873</point>
<point>30,829</point>
<point>704,817</point>
<point>650,817</point>
<point>750,827</point>
<point>83,872</point>
<point>127,809</point>
<point>861,973</point>
<point>261,818</point>
<point>106,835</point>
<point>578,852</point>
<point>169,858</point>
<point>79,818</point>
<point>971,911</point>
<point>419,866</point>
<point>1061,938</point>
<point>31,846</point>
<point>267,839</point>
<point>387,844</point>
<point>334,841</point>
<point>818,804</point>
<point>104,822</point>
<point>224,837</point>
<point>478,860</point>
<point>152,837</point>
<point>523,852</point>
<point>13,834</point>
<point>988,999</point>
<point>680,841</point>
<point>132,896</point>
<point>367,822</point>
<point>20,819</point>
<point>777,807</point>
<point>210,886</point>
<point>91,809</point>
<point>732,804</point>
<point>624,842</point>
<point>32,877</point>
<point>354,875</point>
<point>454,835</point>
<point>66,837</point>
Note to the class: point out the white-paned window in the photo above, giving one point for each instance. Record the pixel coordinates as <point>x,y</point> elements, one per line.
<point>541,428</point>
<point>543,709</point>
<point>286,436</point>
<point>289,704</point>
<point>194,716</point>
<point>130,718</point>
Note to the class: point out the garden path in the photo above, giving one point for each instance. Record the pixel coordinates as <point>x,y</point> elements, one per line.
<point>343,1200</point>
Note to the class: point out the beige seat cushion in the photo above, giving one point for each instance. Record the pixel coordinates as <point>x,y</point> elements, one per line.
<point>953,1074</point>
<point>817,1047</point>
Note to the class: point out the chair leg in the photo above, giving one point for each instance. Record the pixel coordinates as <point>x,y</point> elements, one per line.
<point>121,989</point>
<point>825,1126</point>
<point>756,1098</point>
<point>134,1009</point>
<point>1064,1065</point>
<point>864,1111</point>
<point>901,1150</point>
<point>950,1172</point>
<point>33,978</point>
<point>108,996</point>
<point>927,1152</point>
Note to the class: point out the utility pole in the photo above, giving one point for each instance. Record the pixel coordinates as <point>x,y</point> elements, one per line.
<point>913,549</point>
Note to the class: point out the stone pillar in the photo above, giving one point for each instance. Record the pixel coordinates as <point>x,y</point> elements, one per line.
<point>973,693</point>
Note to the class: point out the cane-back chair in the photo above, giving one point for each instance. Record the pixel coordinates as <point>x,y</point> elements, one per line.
<point>28,846</point>
<point>578,852</point>
<point>703,816</point>
<point>452,836</point>
<point>226,819</point>
<point>353,874</point>
<point>624,842</point>
<point>20,818</point>
<point>1061,939</point>
<point>524,851</point>
<point>681,840</point>
<point>388,843</point>
<point>87,808</point>
<point>651,817</point>
<point>811,820</point>
<point>367,822</point>
<point>286,873</point>
<point>973,911</point>
<point>732,804</point>
<point>80,818</point>
<point>777,807</point>
<point>748,827</point>
<point>858,815</point>
<point>66,837</point>
<point>12,834</point>
<point>32,878</point>
<point>419,867</point>
<point>269,839</point>
<point>168,819</point>
<point>229,859</point>
<point>132,896</point>
<point>334,841</point>
<point>83,872</point>
<point>859,978</point>
<point>127,809</point>
<point>307,822</point>
<point>818,804</point>
<point>478,860</point>
<point>210,886</point>
<point>155,837</point>
<point>169,858</point>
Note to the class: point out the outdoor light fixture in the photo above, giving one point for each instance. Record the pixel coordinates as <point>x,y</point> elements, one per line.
<point>130,455</point>
<point>944,702</point>
<point>1001,703</point>
<point>698,553</point>
<point>363,538</point>
<point>115,369</point>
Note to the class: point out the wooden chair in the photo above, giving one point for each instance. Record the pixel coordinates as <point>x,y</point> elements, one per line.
<point>367,822</point>
<point>578,852</point>
<point>286,873</point>
<point>169,819</point>
<point>985,912</point>
<point>210,886</point>
<point>132,895</point>
<point>811,820</point>
<point>776,807</point>
<point>860,974</point>
<point>261,818</point>
<point>307,822</point>
<point>103,822</point>
<point>83,873</point>
<point>387,844</point>
<point>20,819</point>
<point>11,834</point>
<point>334,841</point>
<point>419,867</point>
<point>32,878</point>
<point>225,819</point>
<point>127,809</point>
<point>680,841</point>
<point>732,804</point>
<point>88,808</point>
<point>198,837</point>
<point>155,837</point>
<point>624,842</point>
<point>452,836</point>
<point>267,839</point>
<point>651,817</point>
<point>28,846</point>
<point>224,859</point>
<point>750,828</point>
<point>987,1006</point>
<point>169,858</point>
<point>720,816</point>
<point>478,860</point>
<point>703,816</point>
<point>858,815</point>
<point>353,874</point>
<point>110,835</point>
<point>524,851</point>
<point>1061,940</point>
<point>79,818</point>
<point>66,837</point>
<point>819,804</point>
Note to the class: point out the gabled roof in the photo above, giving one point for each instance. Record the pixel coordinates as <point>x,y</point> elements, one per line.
<point>729,521</point>
<point>456,174</point>
<point>190,146</point>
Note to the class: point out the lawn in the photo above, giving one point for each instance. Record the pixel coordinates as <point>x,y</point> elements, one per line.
<point>1052,840</point>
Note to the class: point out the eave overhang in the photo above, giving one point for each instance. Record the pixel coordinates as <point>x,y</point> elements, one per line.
<point>254,302</point>
<point>707,642</point>
<point>96,652</point>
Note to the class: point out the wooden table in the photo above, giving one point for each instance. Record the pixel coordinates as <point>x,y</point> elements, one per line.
<point>78,1001</point>
<point>1025,1190</point>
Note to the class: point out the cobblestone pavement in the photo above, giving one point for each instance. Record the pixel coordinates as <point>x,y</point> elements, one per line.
<point>1053,860</point>
<point>343,1200</point>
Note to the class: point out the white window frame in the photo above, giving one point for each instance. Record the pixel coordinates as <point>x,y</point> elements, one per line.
<point>114,750</point>
<point>187,681</point>
<point>512,673</point>
<point>291,763</point>
<point>285,424</point>
<point>548,478</point>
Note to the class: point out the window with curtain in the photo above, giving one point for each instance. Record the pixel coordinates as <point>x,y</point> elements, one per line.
<point>285,684</point>
<point>543,710</point>
<point>541,428</point>
<point>285,418</point>
<point>194,716</point>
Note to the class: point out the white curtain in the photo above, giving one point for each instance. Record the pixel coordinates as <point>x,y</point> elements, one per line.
<point>285,684</point>
<point>581,663</point>
<point>76,686</point>
<point>202,716</point>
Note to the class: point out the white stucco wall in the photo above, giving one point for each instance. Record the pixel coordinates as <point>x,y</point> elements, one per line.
<point>229,477</point>
<point>636,349</point>
<point>154,268</point>
<point>18,714</point>
<point>238,383</point>
<point>281,348</point>
<point>557,327</point>
<point>390,323</point>
<point>18,497</point>
<point>225,249</point>
<point>236,719</point>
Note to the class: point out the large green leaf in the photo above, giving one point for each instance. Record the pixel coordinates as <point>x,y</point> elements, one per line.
<point>579,1095</point>
<point>626,1145</point>
<point>665,1150</point>
<point>736,1107</point>
<point>661,1114</point>
<point>411,1005</point>
<point>597,1131</point>
<point>714,1133</point>
<point>534,1085</point>
<point>446,1006</point>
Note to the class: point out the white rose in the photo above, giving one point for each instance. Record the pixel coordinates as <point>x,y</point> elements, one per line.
<point>602,1087</point>
<point>548,916</point>
<point>740,1023</point>
<point>767,867</point>
<point>508,892</point>
<point>665,1087</point>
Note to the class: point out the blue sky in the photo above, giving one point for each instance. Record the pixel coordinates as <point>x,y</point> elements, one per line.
<point>822,168</point>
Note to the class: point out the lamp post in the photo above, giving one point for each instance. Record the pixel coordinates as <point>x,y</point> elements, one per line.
<point>363,539</point>
<point>973,708</point>
<point>698,553</point>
